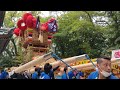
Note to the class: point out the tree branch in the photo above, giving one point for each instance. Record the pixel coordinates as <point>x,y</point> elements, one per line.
<point>90,18</point>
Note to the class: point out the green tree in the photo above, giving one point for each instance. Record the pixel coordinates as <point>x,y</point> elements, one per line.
<point>77,34</point>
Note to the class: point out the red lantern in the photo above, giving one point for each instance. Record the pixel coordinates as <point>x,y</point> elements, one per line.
<point>21,25</point>
<point>25,16</point>
<point>17,32</point>
<point>29,21</point>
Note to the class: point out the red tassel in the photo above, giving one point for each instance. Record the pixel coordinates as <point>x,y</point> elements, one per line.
<point>25,16</point>
<point>17,31</point>
<point>19,24</point>
<point>29,22</point>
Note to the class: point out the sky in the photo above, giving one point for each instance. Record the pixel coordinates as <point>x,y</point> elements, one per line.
<point>45,13</point>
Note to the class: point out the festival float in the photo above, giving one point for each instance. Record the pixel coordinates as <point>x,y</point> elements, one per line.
<point>36,39</point>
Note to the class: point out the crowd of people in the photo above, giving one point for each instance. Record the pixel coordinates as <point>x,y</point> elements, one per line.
<point>46,73</point>
<point>103,72</point>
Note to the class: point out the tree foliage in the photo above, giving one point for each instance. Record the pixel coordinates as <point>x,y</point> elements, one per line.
<point>78,34</point>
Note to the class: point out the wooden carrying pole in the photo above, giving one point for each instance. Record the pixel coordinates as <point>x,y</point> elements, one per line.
<point>33,63</point>
<point>68,61</point>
